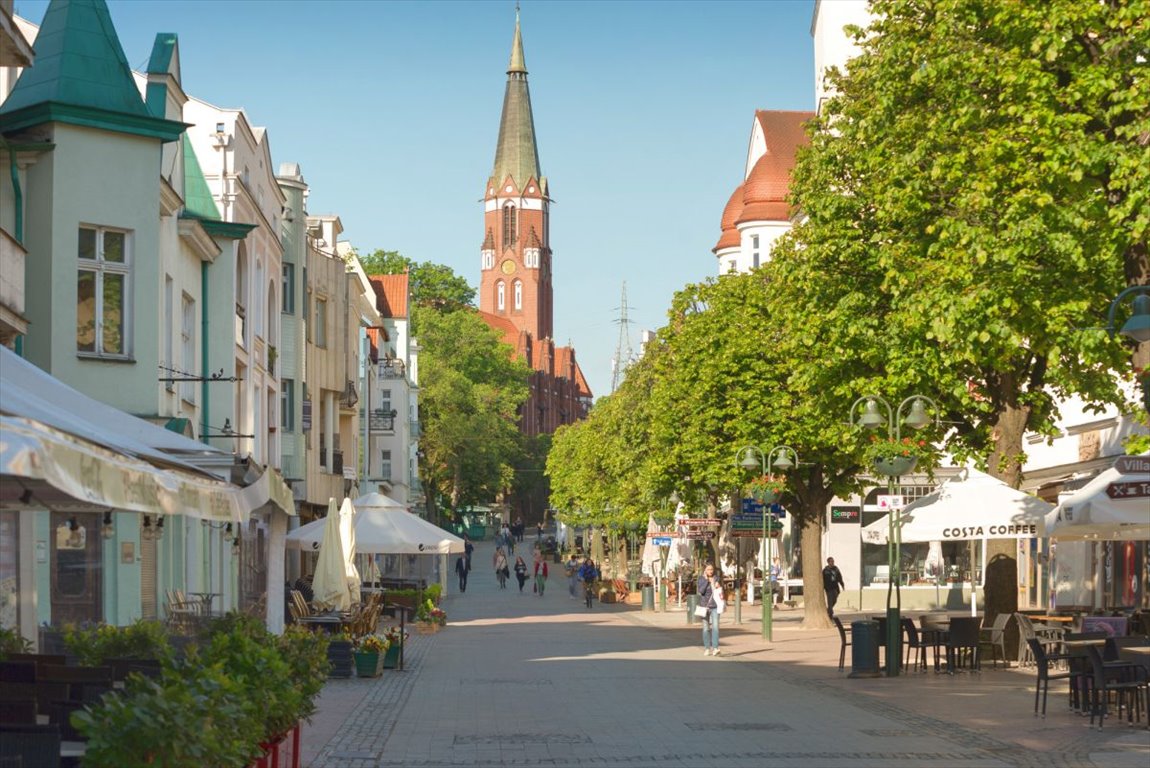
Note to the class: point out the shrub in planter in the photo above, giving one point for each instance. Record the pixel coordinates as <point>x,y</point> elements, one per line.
<point>193,716</point>
<point>11,641</point>
<point>433,593</point>
<point>94,646</point>
<point>306,654</point>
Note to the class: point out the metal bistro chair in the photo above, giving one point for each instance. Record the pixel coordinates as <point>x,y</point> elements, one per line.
<point>1042,663</point>
<point>962,643</point>
<point>994,638</point>
<point>1127,680</point>
<point>1046,636</point>
<point>844,642</point>
<point>914,641</point>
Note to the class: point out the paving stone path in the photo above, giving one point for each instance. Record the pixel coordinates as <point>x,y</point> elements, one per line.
<point>521,680</point>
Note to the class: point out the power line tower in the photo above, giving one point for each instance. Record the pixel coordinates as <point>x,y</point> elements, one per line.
<point>624,355</point>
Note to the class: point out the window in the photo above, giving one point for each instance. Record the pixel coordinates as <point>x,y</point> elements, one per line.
<point>102,292</point>
<point>518,295</point>
<point>288,289</point>
<point>488,259</point>
<point>500,296</point>
<point>510,225</point>
<point>732,267</point>
<point>755,251</point>
<point>531,258</point>
<point>320,332</point>
<point>287,404</point>
<point>385,465</point>
<point>385,400</point>
<point>188,346</point>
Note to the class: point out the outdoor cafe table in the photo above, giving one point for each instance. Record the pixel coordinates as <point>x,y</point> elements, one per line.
<point>1139,654</point>
<point>1056,619</point>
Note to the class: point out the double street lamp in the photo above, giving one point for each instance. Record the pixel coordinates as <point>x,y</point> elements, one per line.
<point>872,417</point>
<point>750,458</point>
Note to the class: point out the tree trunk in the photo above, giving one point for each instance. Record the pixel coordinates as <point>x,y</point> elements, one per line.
<point>1000,592</point>
<point>814,599</point>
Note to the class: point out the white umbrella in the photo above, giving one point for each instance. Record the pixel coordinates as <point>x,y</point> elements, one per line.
<point>972,505</point>
<point>347,538</point>
<point>651,557</point>
<point>384,531</point>
<point>330,582</point>
<point>1105,509</point>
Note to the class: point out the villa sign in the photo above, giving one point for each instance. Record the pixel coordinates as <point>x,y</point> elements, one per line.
<point>1132,465</point>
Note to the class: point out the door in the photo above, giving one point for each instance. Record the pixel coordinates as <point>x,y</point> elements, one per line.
<point>77,572</point>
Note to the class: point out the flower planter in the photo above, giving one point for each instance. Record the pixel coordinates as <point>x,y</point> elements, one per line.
<point>426,627</point>
<point>339,654</point>
<point>894,466</point>
<point>766,497</point>
<point>368,663</point>
<point>391,658</point>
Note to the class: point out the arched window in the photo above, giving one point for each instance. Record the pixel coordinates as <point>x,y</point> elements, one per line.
<point>518,294</point>
<point>509,225</point>
<point>500,296</point>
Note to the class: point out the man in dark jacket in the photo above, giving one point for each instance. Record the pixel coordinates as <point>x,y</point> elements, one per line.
<point>461,571</point>
<point>832,584</point>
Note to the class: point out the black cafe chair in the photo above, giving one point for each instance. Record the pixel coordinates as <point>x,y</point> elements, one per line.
<point>914,642</point>
<point>1042,664</point>
<point>962,644</point>
<point>843,641</point>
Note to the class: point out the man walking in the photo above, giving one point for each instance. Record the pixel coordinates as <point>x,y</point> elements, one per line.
<point>468,548</point>
<point>832,584</point>
<point>461,571</point>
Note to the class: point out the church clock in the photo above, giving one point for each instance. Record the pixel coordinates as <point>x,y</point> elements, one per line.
<point>508,266</point>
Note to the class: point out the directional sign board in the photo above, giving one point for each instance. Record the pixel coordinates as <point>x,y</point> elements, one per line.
<point>661,541</point>
<point>1132,465</point>
<point>1127,490</point>
<point>700,528</point>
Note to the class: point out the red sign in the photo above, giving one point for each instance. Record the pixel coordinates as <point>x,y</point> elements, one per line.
<point>1128,490</point>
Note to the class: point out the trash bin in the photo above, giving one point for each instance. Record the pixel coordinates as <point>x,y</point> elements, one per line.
<point>648,598</point>
<point>864,649</point>
<point>692,601</point>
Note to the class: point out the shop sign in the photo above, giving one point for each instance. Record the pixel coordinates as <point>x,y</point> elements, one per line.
<point>845,515</point>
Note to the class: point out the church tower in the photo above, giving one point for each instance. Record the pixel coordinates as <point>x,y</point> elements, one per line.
<point>515,281</point>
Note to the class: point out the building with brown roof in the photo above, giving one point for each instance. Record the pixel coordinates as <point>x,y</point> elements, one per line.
<point>515,288</point>
<point>757,212</point>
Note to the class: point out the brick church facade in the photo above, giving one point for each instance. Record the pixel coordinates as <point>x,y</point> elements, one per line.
<point>515,287</point>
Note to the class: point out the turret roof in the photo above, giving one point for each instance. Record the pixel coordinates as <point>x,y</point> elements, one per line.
<point>516,153</point>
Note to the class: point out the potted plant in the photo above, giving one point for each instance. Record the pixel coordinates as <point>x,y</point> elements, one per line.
<point>767,488</point>
<point>429,619</point>
<point>11,641</point>
<point>395,637</point>
<point>370,651</point>
<point>340,656</point>
<point>891,457</point>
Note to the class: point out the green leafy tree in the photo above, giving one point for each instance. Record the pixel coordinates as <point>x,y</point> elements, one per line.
<point>433,286</point>
<point>973,198</point>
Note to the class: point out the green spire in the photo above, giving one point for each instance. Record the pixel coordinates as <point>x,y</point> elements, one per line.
<point>516,154</point>
<point>198,200</point>
<point>81,76</point>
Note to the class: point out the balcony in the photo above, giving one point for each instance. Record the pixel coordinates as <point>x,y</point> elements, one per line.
<point>381,420</point>
<point>350,395</point>
<point>392,369</point>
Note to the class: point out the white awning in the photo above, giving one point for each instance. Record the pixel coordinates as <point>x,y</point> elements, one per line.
<point>95,475</point>
<point>1111,507</point>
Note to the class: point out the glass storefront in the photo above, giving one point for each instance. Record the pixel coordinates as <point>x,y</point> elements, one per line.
<point>9,569</point>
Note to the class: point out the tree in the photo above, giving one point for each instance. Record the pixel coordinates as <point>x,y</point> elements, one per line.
<point>973,197</point>
<point>433,286</point>
<point>983,174</point>
<point>470,393</point>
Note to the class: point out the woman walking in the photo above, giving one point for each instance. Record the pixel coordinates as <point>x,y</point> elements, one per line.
<point>540,576</point>
<point>706,589</point>
<point>520,572</point>
<point>501,567</point>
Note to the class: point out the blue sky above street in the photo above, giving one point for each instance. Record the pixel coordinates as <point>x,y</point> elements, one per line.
<point>643,112</point>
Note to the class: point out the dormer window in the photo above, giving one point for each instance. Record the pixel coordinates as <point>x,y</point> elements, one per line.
<point>510,225</point>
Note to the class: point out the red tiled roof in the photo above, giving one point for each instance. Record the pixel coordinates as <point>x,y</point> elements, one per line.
<point>390,294</point>
<point>769,179</point>
<point>730,236</point>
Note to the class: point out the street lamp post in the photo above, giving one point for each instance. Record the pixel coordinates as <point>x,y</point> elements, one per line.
<point>872,418</point>
<point>752,457</point>
<point>1136,328</point>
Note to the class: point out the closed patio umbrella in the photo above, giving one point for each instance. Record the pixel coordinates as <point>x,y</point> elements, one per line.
<point>330,582</point>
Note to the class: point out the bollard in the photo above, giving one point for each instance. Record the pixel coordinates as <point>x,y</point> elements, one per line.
<point>692,601</point>
<point>864,649</point>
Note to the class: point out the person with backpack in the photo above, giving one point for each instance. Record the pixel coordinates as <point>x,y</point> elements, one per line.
<point>588,574</point>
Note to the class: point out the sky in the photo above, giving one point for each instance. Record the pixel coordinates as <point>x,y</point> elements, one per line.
<point>643,113</point>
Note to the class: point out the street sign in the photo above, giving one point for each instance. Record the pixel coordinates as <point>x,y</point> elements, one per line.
<point>661,541</point>
<point>747,533</point>
<point>1132,465</point>
<point>1128,490</point>
<point>752,507</point>
<point>699,528</point>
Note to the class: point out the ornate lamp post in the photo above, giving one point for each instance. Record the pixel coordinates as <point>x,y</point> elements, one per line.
<point>1136,328</point>
<point>872,418</point>
<point>750,458</point>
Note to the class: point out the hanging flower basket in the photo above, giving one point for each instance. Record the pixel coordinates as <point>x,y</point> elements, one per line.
<point>767,489</point>
<point>893,458</point>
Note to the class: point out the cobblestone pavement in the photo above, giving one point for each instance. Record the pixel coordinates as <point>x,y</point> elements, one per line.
<point>521,680</point>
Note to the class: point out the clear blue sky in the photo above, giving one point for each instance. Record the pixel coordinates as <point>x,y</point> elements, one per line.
<point>643,111</point>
